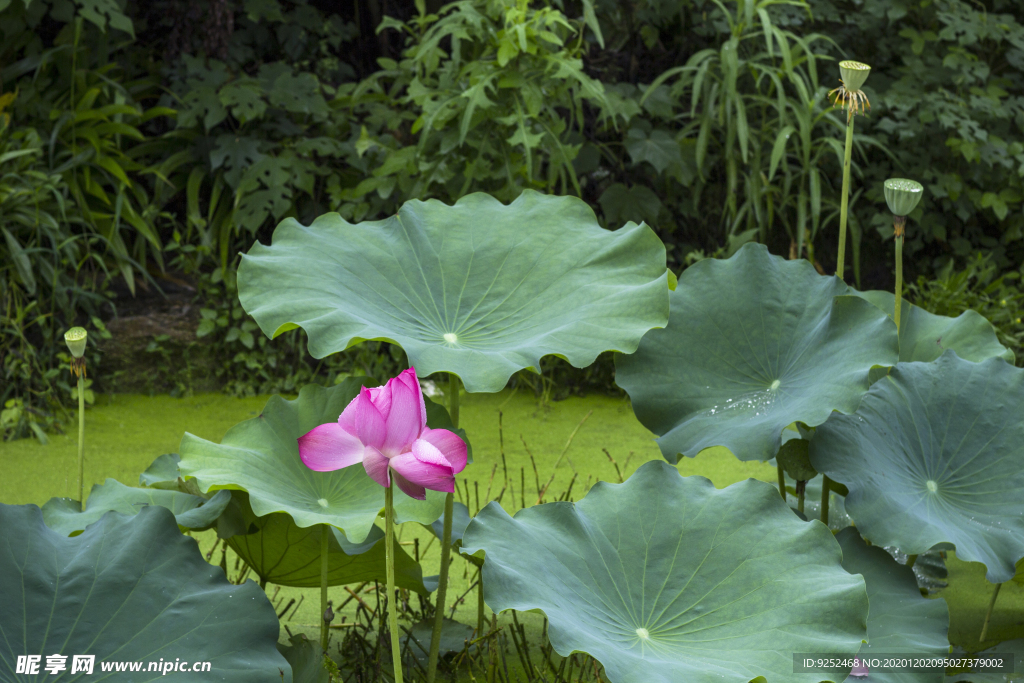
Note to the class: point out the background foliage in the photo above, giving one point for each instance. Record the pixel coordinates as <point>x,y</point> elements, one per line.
<point>147,144</point>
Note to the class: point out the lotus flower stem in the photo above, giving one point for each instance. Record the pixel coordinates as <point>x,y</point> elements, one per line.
<point>446,544</point>
<point>392,604</point>
<point>81,438</point>
<point>782,482</point>
<point>902,196</point>
<point>480,602</point>
<point>988,615</point>
<point>826,493</point>
<point>900,223</point>
<point>76,338</point>
<point>852,98</point>
<point>845,201</point>
<point>324,623</point>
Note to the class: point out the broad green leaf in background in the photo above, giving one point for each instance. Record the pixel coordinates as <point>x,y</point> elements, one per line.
<point>65,516</point>
<point>129,589</point>
<point>666,578</point>
<point>163,473</point>
<point>306,659</point>
<point>261,456</point>
<point>753,344</point>
<point>658,148</point>
<point>935,453</point>
<point>900,619</point>
<point>284,554</point>
<point>479,289</point>
<point>925,336</point>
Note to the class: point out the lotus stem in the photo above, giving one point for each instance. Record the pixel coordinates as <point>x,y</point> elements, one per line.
<point>826,493</point>
<point>911,561</point>
<point>988,615</point>
<point>446,544</point>
<point>845,201</point>
<point>76,339</point>
<point>480,602</point>
<point>324,623</point>
<point>801,490</point>
<point>782,482</point>
<point>81,439</point>
<point>392,604</point>
<point>900,223</point>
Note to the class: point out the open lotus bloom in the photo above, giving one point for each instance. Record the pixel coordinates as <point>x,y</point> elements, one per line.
<point>385,428</point>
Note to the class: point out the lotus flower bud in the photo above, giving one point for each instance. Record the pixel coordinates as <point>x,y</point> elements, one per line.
<point>75,338</point>
<point>902,195</point>
<point>854,74</point>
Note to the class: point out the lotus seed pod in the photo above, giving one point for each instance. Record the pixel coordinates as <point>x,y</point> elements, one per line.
<point>75,339</point>
<point>902,195</point>
<point>854,74</point>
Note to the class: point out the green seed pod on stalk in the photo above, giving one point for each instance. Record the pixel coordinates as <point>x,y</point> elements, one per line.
<point>850,97</point>
<point>854,74</point>
<point>76,339</point>
<point>902,196</point>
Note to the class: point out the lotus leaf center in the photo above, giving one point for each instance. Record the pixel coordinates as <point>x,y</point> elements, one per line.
<point>451,337</point>
<point>932,486</point>
<point>774,386</point>
<point>323,502</point>
<point>643,633</point>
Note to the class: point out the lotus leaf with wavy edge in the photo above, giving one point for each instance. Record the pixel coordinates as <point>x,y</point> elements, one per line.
<point>925,336</point>
<point>478,289</point>
<point>666,578</point>
<point>900,619</point>
<point>129,589</point>
<point>753,344</point>
<point>935,453</point>
<point>65,516</point>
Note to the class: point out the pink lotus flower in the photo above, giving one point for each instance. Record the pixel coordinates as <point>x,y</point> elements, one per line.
<point>385,428</point>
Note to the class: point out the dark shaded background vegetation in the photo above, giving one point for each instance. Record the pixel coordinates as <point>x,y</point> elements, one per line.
<point>144,145</point>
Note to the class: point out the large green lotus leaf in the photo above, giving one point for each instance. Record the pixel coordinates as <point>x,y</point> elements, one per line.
<point>666,578</point>
<point>1013,648</point>
<point>753,344</point>
<point>128,589</point>
<point>478,289</point>
<point>284,554</point>
<point>934,454</point>
<point>925,336</point>
<point>900,619</point>
<point>163,473</point>
<point>261,457</point>
<point>65,516</point>
<point>306,658</point>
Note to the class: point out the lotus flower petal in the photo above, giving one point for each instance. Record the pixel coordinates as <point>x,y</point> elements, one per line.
<point>410,489</point>
<point>409,378</point>
<point>425,466</point>
<point>376,465</point>
<point>381,398</point>
<point>329,447</point>
<point>449,444</point>
<point>403,421</point>
<point>364,420</point>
